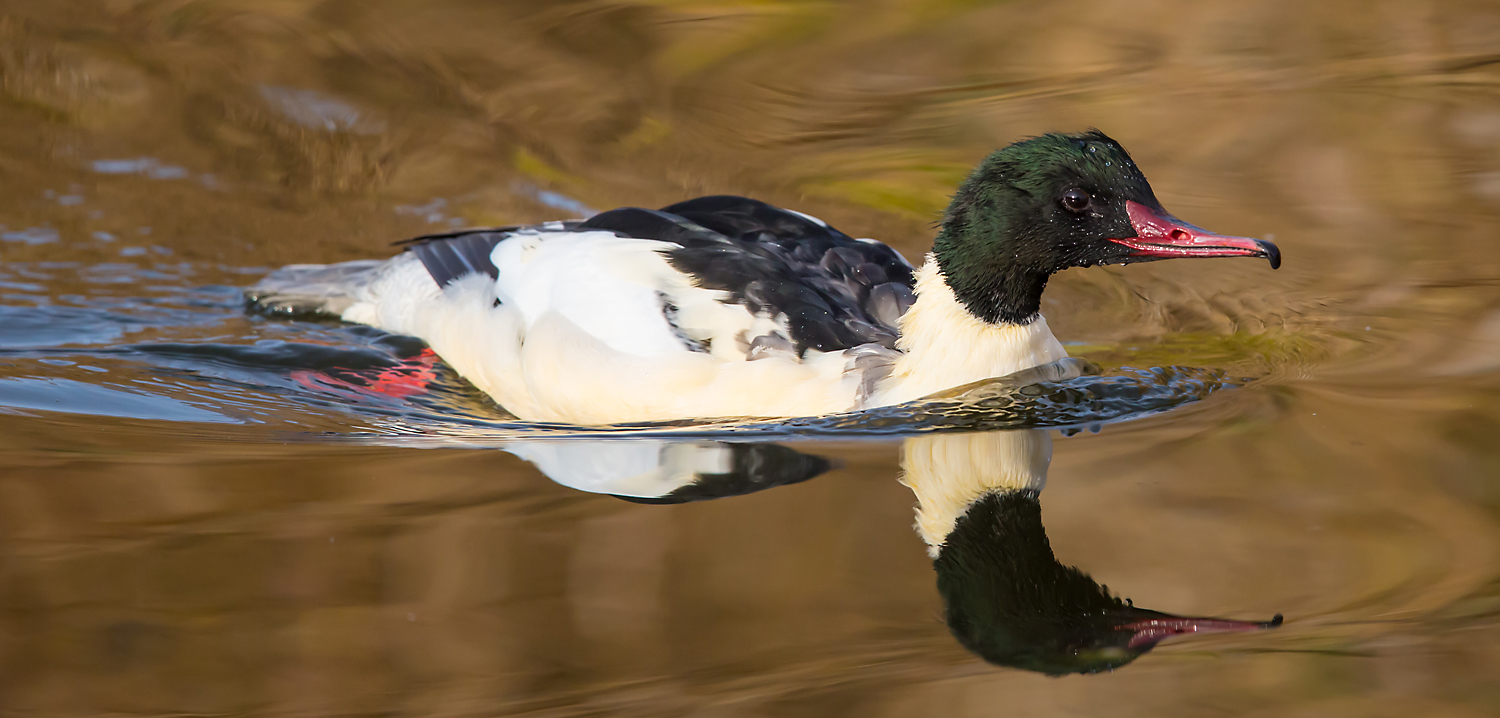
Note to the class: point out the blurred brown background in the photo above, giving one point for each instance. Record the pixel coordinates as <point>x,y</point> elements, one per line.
<point>172,568</point>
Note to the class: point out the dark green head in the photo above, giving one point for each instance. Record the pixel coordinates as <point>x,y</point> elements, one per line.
<point>1048,203</point>
<point>1008,600</point>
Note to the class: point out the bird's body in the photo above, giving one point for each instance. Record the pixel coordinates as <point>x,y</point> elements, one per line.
<point>568,322</point>
<point>725,306</point>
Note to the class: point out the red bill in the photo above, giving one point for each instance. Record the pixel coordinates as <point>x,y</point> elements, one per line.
<point>1162,235</point>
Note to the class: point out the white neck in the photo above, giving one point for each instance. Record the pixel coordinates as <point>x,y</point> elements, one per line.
<point>944,346</point>
<point>949,472</point>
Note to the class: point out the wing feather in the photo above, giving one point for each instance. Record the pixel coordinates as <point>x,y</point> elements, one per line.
<point>708,274</point>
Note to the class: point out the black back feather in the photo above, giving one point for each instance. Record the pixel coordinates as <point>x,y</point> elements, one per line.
<point>836,291</point>
<point>451,255</point>
<point>459,256</point>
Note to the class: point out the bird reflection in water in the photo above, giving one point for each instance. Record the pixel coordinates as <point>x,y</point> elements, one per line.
<point>1006,597</point>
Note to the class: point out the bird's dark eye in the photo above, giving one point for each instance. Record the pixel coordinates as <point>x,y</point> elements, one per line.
<point>1076,200</point>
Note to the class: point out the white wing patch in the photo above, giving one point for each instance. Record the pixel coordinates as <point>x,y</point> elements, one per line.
<point>617,289</point>
<point>605,284</point>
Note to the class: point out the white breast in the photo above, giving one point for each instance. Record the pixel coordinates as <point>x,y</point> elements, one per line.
<point>945,346</point>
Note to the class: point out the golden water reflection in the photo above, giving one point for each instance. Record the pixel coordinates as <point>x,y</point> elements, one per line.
<point>154,567</point>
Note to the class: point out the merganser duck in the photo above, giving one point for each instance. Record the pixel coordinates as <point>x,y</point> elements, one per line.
<point>729,307</point>
<point>1006,596</point>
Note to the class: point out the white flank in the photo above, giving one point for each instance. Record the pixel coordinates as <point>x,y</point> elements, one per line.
<point>949,472</point>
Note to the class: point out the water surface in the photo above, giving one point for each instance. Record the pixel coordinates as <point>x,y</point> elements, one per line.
<point>205,511</point>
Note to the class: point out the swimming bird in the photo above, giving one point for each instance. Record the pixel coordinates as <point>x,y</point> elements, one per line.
<point>726,306</point>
